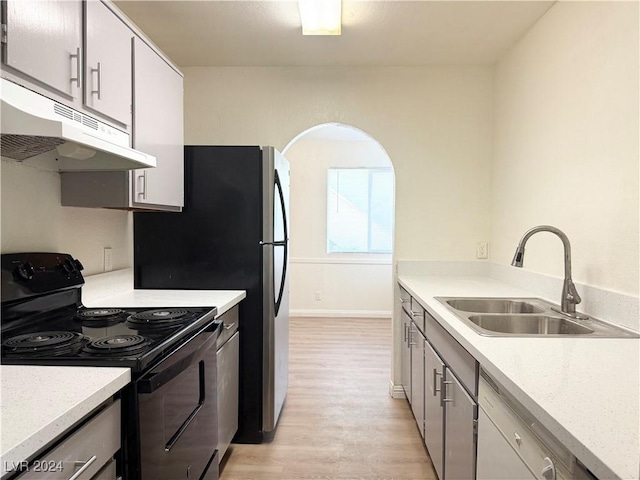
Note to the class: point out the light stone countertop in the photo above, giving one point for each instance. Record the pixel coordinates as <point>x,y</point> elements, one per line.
<point>115,290</point>
<point>38,404</point>
<point>585,391</point>
<point>222,299</point>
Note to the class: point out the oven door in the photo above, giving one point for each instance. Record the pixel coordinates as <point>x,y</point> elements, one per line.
<point>177,411</point>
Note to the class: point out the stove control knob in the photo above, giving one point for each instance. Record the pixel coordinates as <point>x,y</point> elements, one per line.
<point>25,271</point>
<point>68,267</point>
<point>78,264</point>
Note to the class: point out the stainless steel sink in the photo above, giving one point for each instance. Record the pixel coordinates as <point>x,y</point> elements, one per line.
<point>529,325</point>
<point>526,317</point>
<point>493,305</point>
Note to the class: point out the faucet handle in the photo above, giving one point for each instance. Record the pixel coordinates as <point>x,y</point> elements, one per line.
<point>572,294</point>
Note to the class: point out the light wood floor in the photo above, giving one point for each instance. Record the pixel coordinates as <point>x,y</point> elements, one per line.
<point>339,421</point>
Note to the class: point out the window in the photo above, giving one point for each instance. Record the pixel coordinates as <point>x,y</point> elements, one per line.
<point>359,210</point>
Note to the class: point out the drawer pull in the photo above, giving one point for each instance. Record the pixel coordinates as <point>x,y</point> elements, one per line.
<point>443,395</point>
<point>85,466</point>
<point>99,82</point>
<point>230,326</point>
<point>77,56</point>
<point>417,314</point>
<point>436,374</point>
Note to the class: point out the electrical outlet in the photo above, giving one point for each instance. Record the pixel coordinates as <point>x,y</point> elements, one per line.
<point>108,259</point>
<point>318,296</point>
<point>482,250</point>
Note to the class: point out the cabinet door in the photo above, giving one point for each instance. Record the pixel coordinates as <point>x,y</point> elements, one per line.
<point>417,376</point>
<point>108,63</point>
<point>406,355</point>
<point>157,129</point>
<point>44,39</point>
<point>433,411</point>
<point>459,437</point>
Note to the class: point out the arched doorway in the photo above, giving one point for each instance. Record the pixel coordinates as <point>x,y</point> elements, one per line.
<point>342,223</point>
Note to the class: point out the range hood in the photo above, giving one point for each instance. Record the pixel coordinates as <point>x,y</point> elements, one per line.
<point>32,124</point>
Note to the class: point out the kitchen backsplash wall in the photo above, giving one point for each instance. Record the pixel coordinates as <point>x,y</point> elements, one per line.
<point>566,144</point>
<point>34,220</point>
<point>435,123</point>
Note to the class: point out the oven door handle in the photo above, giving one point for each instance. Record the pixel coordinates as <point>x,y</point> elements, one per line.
<point>154,380</point>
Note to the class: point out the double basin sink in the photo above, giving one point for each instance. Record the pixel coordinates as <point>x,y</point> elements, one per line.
<point>525,317</point>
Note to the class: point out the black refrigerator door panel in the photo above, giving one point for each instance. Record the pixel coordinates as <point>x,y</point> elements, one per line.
<point>214,244</point>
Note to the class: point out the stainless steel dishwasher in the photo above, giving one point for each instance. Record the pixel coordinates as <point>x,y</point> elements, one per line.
<point>512,445</point>
<point>228,356</point>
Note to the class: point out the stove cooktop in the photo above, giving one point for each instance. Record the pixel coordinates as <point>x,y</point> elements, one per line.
<point>132,337</point>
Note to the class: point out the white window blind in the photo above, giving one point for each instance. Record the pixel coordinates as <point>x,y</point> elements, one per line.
<point>359,210</point>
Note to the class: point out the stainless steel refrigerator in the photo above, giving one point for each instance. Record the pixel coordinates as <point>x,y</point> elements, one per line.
<point>231,235</point>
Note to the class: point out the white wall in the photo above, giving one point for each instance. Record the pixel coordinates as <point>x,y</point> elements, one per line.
<point>33,220</point>
<point>434,123</point>
<point>566,149</point>
<point>348,284</point>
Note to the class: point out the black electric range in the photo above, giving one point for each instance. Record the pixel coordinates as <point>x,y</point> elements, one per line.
<point>170,351</point>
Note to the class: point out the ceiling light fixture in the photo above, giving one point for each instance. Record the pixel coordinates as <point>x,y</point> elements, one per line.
<point>321,17</point>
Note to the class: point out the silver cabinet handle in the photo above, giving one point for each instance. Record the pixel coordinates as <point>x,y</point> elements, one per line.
<point>517,438</point>
<point>99,71</point>
<point>436,374</point>
<point>142,185</point>
<point>230,326</point>
<point>85,466</point>
<point>411,336</point>
<point>78,67</point>
<point>443,395</point>
<point>406,336</point>
<point>417,314</point>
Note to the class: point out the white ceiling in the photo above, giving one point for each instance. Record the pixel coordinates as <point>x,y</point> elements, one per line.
<point>374,33</point>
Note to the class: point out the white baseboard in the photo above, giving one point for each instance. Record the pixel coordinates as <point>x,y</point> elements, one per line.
<point>339,313</point>
<point>396,391</point>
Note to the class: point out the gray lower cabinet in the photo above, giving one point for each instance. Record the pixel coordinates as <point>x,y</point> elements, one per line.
<point>433,407</point>
<point>228,357</point>
<point>417,376</point>
<point>442,389</point>
<point>406,355</point>
<point>87,453</point>
<point>44,41</point>
<point>451,379</point>
<point>460,413</point>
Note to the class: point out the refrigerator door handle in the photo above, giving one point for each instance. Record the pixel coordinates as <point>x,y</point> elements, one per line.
<point>284,243</point>
<point>281,243</point>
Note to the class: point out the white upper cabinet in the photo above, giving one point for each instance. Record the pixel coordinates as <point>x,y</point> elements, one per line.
<point>108,63</point>
<point>44,41</point>
<point>157,129</point>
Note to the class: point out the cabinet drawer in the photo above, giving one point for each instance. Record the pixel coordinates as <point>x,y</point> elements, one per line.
<point>453,354</point>
<point>417,314</point>
<point>405,299</point>
<point>90,447</point>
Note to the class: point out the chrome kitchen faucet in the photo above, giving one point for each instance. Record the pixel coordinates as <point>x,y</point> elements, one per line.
<point>570,297</point>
